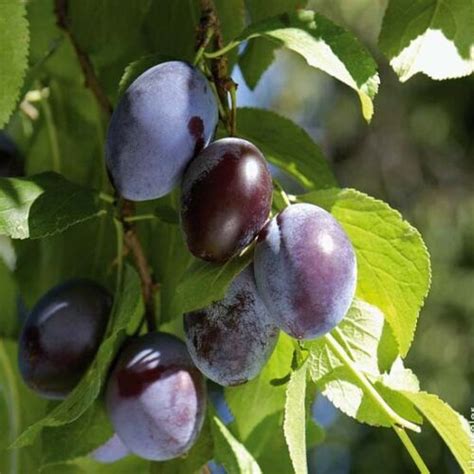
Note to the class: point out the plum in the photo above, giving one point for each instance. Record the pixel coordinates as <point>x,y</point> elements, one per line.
<point>226,199</point>
<point>306,270</point>
<point>61,335</point>
<point>166,116</point>
<point>111,451</point>
<point>156,398</point>
<point>10,162</point>
<point>231,340</point>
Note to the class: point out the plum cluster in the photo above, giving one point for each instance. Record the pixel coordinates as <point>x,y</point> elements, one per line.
<point>302,279</point>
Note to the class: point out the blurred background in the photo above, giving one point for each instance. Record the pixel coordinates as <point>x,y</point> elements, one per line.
<point>417,155</point>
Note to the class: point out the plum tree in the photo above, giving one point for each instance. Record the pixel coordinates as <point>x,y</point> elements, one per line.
<point>305,269</point>
<point>156,398</point>
<point>226,199</point>
<point>231,340</point>
<point>166,116</point>
<point>10,163</point>
<point>61,336</point>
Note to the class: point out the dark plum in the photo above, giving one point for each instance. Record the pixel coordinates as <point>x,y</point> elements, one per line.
<point>306,270</point>
<point>231,340</point>
<point>166,116</point>
<point>10,162</point>
<point>61,336</point>
<point>226,199</point>
<point>156,398</point>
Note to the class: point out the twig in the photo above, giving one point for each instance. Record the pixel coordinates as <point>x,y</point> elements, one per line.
<point>219,66</point>
<point>132,241</point>
<point>91,81</point>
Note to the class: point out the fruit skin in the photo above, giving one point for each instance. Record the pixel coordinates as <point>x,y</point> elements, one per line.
<point>231,340</point>
<point>61,336</point>
<point>111,451</point>
<point>166,116</point>
<point>10,162</point>
<point>306,271</point>
<point>226,199</point>
<point>156,398</point>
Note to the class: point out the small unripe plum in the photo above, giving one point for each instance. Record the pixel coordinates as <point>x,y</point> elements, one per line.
<point>61,336</point>
<point>231,340</point>
<point>306,270</point>
<point>166,116</point>
<point>156,398</point>
<point>226,199</point>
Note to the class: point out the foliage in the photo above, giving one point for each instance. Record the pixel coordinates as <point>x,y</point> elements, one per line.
<point>65,217</point>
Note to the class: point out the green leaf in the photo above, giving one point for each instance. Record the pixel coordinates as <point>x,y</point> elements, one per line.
<point>87,465</point>
<point>452,427</point>
<point>44,205</point>
<point>267,444</point>
<point>215,278</point>
<point>287,146</point>
<point>295,419</point>
<point>231,453</point>
<point>231,15</point>
<point>9,320</point>
<point>19,407</point>
<point>325,46</point>
<point>359,334</point>
<point>79,438</point>
<point>253,401</point>
<point>161,27</point>
<point>393,262</point>
<point>200,454</point>
<point>111,36</point>
<point>415,36</point>
<point>259,53</point>
<point>14,39</point>
<point>128,308</point>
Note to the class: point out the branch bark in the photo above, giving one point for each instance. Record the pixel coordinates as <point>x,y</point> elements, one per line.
<point>91,81</point>
<point>220,65</point>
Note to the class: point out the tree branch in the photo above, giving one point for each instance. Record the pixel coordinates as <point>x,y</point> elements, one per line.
<point>91,81</point>
<point>149,287</point>
<point>132,241</point>
<point>220,65</point>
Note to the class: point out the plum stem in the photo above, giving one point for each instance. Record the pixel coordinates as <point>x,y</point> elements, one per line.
<point>395,418</point>
<point>120,252</point>
<point>91,81</point>
<point>199,53</point>
<point>233,110</point>
<point>223,83</point>
<point>282,192</point>
<point>222,51</point>
<point>106,198</point>
<point>140,217</point>
<point>52,133</point>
